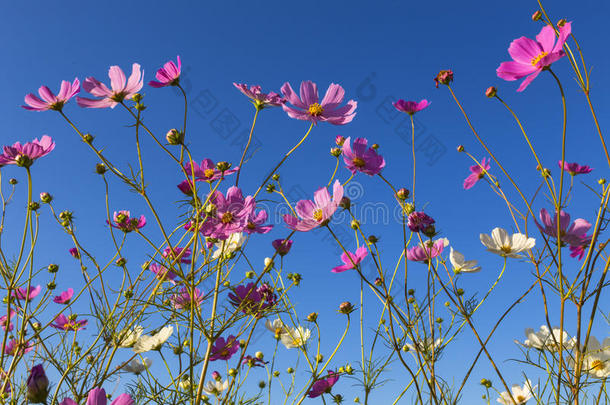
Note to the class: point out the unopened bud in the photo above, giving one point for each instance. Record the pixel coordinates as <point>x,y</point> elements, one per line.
<point>355,224</point>
<point>346,308</point>
<point>402,194</point>
<point>12,181</point>
<point>561,22</point>
<point>52,268</point>
<point>491,92</point>
<point>312,317</point>
<point>100,168</point>
<point>174,137</point>
<point>336,152</point>
<point>223,166</point>
<point>537,15</point>
<point>444,77</point>
<point>339,140</point>
<point>88,138</point>
<point>460,148</point>
<point>46,197</point>
<point>34,205</point>
<point>345,203</point>
<point>276,176</point>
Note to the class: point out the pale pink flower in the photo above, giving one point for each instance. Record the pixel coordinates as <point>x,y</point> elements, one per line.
<point>259,99</point>
<point>122,88</point>
<point>50,101</point>
<point>351,260</point>
<point>477,172</point>
<point>168,75</point>
<point>428,250</point>
<point>25,155</point>
<point>64,297</point>
<point>309,108</point>
<point>317,212</point>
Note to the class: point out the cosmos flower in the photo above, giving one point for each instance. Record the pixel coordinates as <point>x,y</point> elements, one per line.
<point>232,244</point>
<point>97,396</point>
<point>37,385</point>
<point>596,360</point>
<point>571,234</point>
<point>230,215</point>
<point>425,346</point>
<point>251,299</point>
<point>579,249</point>
<point>360,159</point>
<point>410,107</point>
<point>5,321</point>
<point>183,253</point>
<point>323,385</point>
<point>501,243</point>
<point>64,297</point>
<point>183,299</point>
<point>520,394</point>
<point>168,75</point>
<point>224,349</point>
<point>48,100</point>
<point>315,213</point>
<point>544,340</point>
<point>129,337</point>
<point>419,221</point>
<point>309,108</point>
<point>26,294</point>
<point>460,265</point>
<point>428,250</point>
<point>443,77</point>
<point>14,348</point>
<point>295,337</point>
<point>69,323</point>
<point>253,361</point>
<point>532,57</point>
<point>147,342</point>
<point>282,246</point>
<point>122,88</point>
<point>25,155</point>
<point>350,260</point>
<point>574,168</point>
<point>74,252</point>
<point>206,170</point>
<point>122,220</point>
<point>256,223</point>
<point>138,366</point>
<point>215,387</point>
<point>163,273</point>
<point>259,99</point>
<point>477,172</point>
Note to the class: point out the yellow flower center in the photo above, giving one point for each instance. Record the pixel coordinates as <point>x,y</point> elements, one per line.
<point>358,162</point>
<point>316,109</point>
<point>208,173</point>
<point>227,217</point>
<point>597,365</point>
<point>520,398</point>
<point>538,58</point>
<point>318,215</point>
<point>506,249</point>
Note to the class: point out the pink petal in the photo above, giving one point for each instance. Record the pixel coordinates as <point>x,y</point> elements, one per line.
<point>309,93</point>
<point>514,70</point>
<point>546,38</point>
<point>529,79</point>
<point>524,50</point>
<point>117,79</point>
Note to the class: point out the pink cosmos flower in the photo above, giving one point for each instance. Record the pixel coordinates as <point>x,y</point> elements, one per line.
<point>48,100</point>
<point>427,251</point>
<point>224,349</point>
<point>207,171</point>
<point>309,109</point>
<point>186,187</point>
<point>64,297</point>
<point>532,57</point>
<point>231,215</point>
<point>252,361</point>
<point>29,294</point>
<point>65,323</point>
<point>13,348</point>
<point>419,221</point>
<point>122,88</point>
<point>25,155</point>
<point>574,168</point>
<point>183,299</point>
<point>351,260</point>
<point>259,99</point>
<point>323,385</point>
<point>74,252</point>
<point>477,173</point>
<point>162,273</point>
<point>5,321</point>
<point>256,221</point>
<point>184,254</point>
<point>168,75</point>
<point>360,159</point>
<point>317,212</point>
<point>579,249</point>
<point>97,396</point>
<point>124,222</point>
<point>282,246</point>
<point>251,299</point>
<point>571,235</point>
<point>411,107</point>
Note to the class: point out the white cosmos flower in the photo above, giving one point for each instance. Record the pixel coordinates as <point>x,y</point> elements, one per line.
<point>275,326</point>
<point>215,387</point>
<point>544,340</point>
<point>460,265</point>
<point>230,245</point>
<point>425,346</point>
<point>295,337</point>
<point>129,337</point>
<point>147,343</point>
<point>503,244</point>
<point>520,394</point>
<point>596,361</point>
<point>138,366</point>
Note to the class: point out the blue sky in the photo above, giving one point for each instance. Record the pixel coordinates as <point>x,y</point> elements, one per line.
<point>391,49</point>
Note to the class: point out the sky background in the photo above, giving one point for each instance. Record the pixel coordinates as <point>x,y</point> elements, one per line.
<point>377,52</point>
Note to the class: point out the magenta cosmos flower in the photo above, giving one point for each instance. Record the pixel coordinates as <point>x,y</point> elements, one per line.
<point>64,297</point>
<point>231,214</point>
<point>74,252</point>
<point>359,158</point>
<point>351,260</point>
<point>282,246</point>
<point>183,299</point>
<point>259,99</point>
<point>411,107</point>
<point>14,348</point>
<point>428,250</point>
<point>26,294</point>
<point>317,212</point>
<point>477,172</point>
<point>308,107</point>
<point>253,361</point>
<point>323,385</point>
<point>25,155</point>
<point>184,254</point>
<point>532,57</point>
<point>251,299</point>
<point>50,101</point>
<point>419,221</point>
<point>97,396</point>
<point>5,321</point>
<point>162,273</point>
<point>168,75</point>
<point>224,349</point>
<point>123,221</point>
<point>579,249</point>
<point>65,323</point>
<point>122,88</point>
<point>206,171</point>
<point>256,223</point>
<point>574,168</point>
<point>571,234</point>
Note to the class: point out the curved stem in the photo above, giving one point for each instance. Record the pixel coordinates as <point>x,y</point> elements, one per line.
<point>243,155</point>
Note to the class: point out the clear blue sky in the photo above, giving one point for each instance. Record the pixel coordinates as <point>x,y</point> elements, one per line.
<point>376,51</point>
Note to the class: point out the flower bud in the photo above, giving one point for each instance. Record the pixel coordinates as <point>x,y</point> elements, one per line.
<point>346,308</point>
<point>100,168</point>
<point>537,15</point>
<point>52,268</point>
<point>460,291</point>
<point>349,369</point>
<point>429,231</point>
<point>373,239</point>
<point>345,203</point>
<point>121,261</point>
<point>12,181</point>
<point>259,355</point>
<point>242,343</point>
<point>375,146</point>
<point>174,137</point>
<point>23,161</point>
<point>140,107</point>
<point>46,197</point>
<point>460,148</point>
<point>270,188</point>
<point>262,384</point>
<point>74,252</point>
<point>290,370</point>
<point>250,274</point>
<point>339,140</point>
<point>276,176</point>
<point>33,206</point>
<point>443,77</point>
<point>336,152</point>
<point>223,166</point>
<point>319,358</point>
<point>51,286</point>
<point>355,224</point>
<point>216,375</point>
<point>312,317</point>
<point>486,383</point>
<point>378,282</point>
<point>601,181</point>
<point>402,194</point>
<point>491,92</point>
<point>561,22</point>
<point>276,373</point>
<point>88,138</point>
<point>409,208</point>
<point>137,97</point>
<point>37,385</point>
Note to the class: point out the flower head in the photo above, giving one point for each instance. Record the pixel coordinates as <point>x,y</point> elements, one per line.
<point>545,340</point>
<point>256,223</point>
<point>230,215</point>
<point>532,57</point>
<point>419,221</point>
<point>129,337</point>
<point>596,360</point>
<point>69,323</point>
<point>26,294</point>
<point>520,394</point>
<point>574,168</point>
<point>97,396</point>
<point>309,108</point>
<point>360,159</point>
<point>295,337</point>
<point>37,385</point>
<point>25,155</point>
<point>206,171</point>
<point>443,77</point>
<point>351,260</point>
<point>123,221</point>
<point>253,361</point>
<point>50,101</point>
<point>5,321</point>
<point>183,299</point>
<point>138,366</point>
<point>163,273</point>
<point>224,349</point>
<point>477,172</point>
<point>122,88</point>
<point>317,212</point>
<point>259,99</point>
<point>501,243</point>
<point>64,297</point>
<point>74,252</point>
<point>428,250</point>
<point>249,299</point>
<point>579,249</point>
<point>460,265</point>
<point>410,107</point>
<point>323,385</point>
<point>147,343</point>
<point>215,387</point>
<point>282,246</point>
<point>226,247</point>
<point>571,234</point>
<point>14,348</point>
<point>168,75</point>
<point>184,254</point>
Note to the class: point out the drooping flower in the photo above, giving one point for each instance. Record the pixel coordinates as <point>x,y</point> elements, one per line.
<point>206,171</point>
<point>177,252</point>
<point>579,249</point>
<point>5,321</point>
<point>168,75</point>
<point>428,250</point>
<point>138,366</point>
<point>163,273</point>
<point>545,340</point>
<point>323,385</point>
<point>215,387</point>
<point>14,348</point>
<point>122,88</point>
<point>69,323</point>
<point>128,337</point>
<point>309,108</point>
<point>596,360</point>
<point>351,260</point>
<point>186,187</point>
<point>97,396</point>
<point>259,99</point>
<point>25,155</point>
<point>572,234</point>
<point>224,349</point>
<point>532,57</point>
<point>229,215</point>
<point>147,343</point>
<point>122,220</point>
<point>419,221</point>
<point>460,265</point>
<point>48,100</point>
<point>253,361</point>
<point>37,385</point>
<point>315,213</point>
<point>64,297</point>
<point>282,246</point>
<point>501,243</point>
<point>360,159</point>
<point>295,337</point>
<point>520,394</point>
<point>26,294</point>
<point>410,107</point>
<point>227,247</point>
<point>574,168</point>
<point>183,299</point>
<point>477,172</point>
